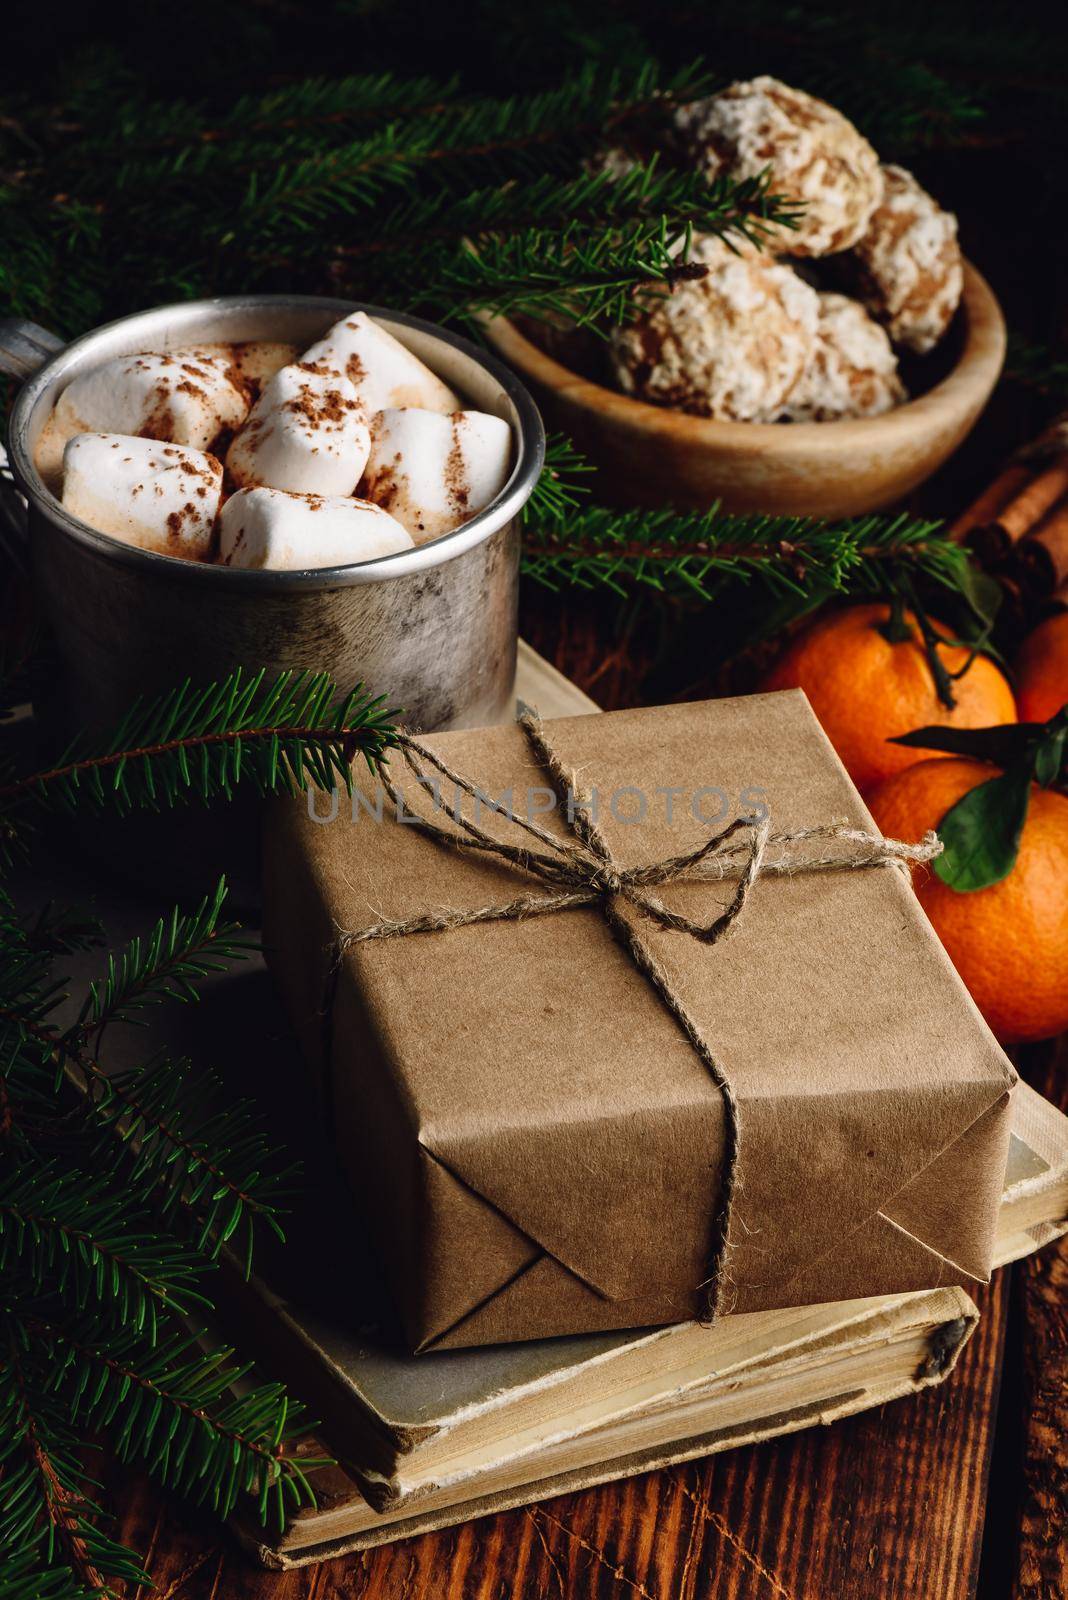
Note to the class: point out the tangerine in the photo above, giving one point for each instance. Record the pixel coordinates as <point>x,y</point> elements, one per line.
<point>865,689</point>
<point>1009,942</point>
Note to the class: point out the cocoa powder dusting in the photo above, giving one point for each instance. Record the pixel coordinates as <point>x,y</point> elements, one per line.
<point>238,542</point>
<point>248,388</point>
<point>331,406</point>
<point>159,424</point>
<point>386,488</point>
<point>456,485</point>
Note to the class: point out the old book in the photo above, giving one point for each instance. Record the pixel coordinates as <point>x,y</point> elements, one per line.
<point>438,1438</point>
<point>878,1353</point>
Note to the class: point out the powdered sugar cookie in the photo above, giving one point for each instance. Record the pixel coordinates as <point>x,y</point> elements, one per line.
<point>853,370</point>
<point>814,155</point>
<point>731,344</point>
<point>909,272</point>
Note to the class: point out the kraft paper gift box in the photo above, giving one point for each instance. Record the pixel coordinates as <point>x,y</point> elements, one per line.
<point>538,1145</point>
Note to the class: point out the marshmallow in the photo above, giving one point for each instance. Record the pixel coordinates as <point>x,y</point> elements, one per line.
<point>268,528</point>
<point>306,433</point>
<point>185,396</point>
<point>432,472</point>
<point>161,497</point>
<point>383,371</point>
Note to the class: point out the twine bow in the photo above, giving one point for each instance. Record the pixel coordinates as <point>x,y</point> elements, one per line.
<point>582,871</point>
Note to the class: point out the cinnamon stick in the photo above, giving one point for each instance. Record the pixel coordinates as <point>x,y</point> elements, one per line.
<point>1041,559</point>
<point>1034,500</point>
<point>993,543</point>
<point>990,545</point>
<point>993,499</point>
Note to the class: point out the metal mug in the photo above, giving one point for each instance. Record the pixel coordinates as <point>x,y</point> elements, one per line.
<point>432,629</point>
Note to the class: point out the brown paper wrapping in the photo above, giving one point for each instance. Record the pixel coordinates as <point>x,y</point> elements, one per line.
<point>537,1145</point>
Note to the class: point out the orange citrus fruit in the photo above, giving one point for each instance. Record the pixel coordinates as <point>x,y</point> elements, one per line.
<point>865,690</point>
<point>1008,942</point>
<point>1042,670</point>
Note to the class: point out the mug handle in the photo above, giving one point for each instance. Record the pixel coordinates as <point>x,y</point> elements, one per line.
<point>25,346</point>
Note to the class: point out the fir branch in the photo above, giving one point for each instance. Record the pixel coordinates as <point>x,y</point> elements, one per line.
<point>94,1270</point>
<point>22,1574</point>
<point>692,554</point>
<point>52,263</point>
<point>74,1233</point>
<point>471,140</point>
<point>15,829</point>
<point>209,213</point>
<point>498,249</point>
<point>28,990</point>
<point>183,1153</point>
<point>287,119</point>
<point>560,489</point>
<point>179,951</point>
<point>30,1120</point>
<point>51,1541</point>
<point>311,103</point>
<point>176,1408</point>
<point>249,190</point>
<point>569,275</point>
<point>416,229</point>
<point>158,1128</point>
<point>202,743</point>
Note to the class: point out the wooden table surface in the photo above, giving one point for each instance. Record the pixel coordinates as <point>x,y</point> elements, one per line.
<point>958,1492</point>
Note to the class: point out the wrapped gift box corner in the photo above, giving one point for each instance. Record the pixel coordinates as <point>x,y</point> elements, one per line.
<point>535,1144</point>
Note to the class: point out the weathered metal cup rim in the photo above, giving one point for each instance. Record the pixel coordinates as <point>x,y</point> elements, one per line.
<point>529,450</point>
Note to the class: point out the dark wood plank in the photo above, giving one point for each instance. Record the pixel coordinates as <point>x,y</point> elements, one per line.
<point>886,1505</point>
<point>1042,1305</point>
<point>1042,1562</point>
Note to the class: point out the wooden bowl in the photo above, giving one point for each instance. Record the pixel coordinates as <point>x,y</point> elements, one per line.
<point>655,456</point>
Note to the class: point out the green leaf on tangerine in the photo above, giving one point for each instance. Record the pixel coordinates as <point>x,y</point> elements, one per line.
<point>1003,745</point>
<point>981,833</point>
<point>1052,749</point>
<point>982,593</point>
